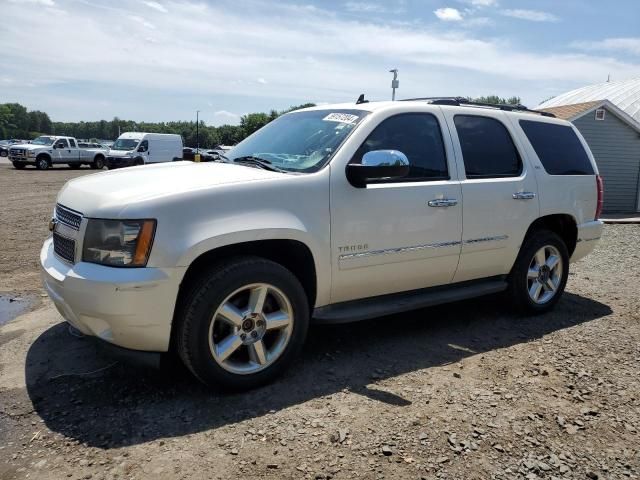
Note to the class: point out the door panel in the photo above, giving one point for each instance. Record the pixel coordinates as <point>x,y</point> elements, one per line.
<point>497,211</point>
<point>385,238</point>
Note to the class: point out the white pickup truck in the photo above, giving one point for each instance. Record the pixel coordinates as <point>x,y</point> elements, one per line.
<point>332,214</point>
<point>47,150</point>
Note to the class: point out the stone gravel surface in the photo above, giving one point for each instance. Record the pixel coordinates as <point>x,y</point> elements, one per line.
<point>463,391</point>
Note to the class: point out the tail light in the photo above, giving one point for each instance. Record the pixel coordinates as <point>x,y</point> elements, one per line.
<point>600,188</point>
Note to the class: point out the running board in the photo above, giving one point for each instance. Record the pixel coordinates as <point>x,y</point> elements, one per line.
<point>367,308</point>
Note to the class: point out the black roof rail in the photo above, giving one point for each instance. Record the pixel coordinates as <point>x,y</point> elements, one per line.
<point>461,101</point>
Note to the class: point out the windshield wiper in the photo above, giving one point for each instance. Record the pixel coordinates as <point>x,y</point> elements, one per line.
<point>259,162</point>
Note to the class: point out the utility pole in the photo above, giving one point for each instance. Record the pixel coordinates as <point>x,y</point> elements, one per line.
<point>395,83</point>
<point>197,131</point>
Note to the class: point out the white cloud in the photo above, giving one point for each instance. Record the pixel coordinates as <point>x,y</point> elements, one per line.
<point>306,54</point>
<point>142,21</point>
<point>224,117</point>
<point>261,81</point>
<point>483,3</point>
<point>448,14</point>
<point>155,5</point>
<point>364,7</point>
<point>44,3</point>
<point>630,45</point>
<point>531,15</point>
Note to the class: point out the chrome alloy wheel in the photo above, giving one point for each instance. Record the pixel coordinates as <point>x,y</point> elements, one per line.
<point>544,275</point>
<point>251,328</point>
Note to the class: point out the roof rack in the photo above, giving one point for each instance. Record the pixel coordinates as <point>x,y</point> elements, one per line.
<point>460,101</point>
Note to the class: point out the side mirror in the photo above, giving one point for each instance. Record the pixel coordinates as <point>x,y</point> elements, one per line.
<point>378,165</point>
<point>142,149</point>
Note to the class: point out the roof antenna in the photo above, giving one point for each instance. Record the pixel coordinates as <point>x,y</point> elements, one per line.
<point>395,83</point>
<point>361,99</point>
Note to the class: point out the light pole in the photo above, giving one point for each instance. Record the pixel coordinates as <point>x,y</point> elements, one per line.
<point>197,131</point>
<point>395,83</point>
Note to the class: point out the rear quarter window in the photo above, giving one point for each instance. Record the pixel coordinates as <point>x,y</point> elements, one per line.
<point>558,148</point>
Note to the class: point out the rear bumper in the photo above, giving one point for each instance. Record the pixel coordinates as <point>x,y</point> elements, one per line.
<point>127,307</point>
<point>588,235</point>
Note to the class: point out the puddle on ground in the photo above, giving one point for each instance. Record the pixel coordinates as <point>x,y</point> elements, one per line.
<point>13,305</point>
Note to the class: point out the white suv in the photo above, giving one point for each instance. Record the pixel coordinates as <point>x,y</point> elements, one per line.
<point>334,213</point>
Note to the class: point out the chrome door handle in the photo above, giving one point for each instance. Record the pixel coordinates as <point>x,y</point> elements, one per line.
<point>524,195</point>
<point>443,202</point>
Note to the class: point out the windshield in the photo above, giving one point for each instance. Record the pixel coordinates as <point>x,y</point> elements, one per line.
<point>43,141</point>
<point>124,144</point>
<point>300,141</point>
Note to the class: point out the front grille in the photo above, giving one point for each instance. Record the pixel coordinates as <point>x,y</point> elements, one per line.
<point>17,151</point>
<point>64,247</point>
<point>68,217</point>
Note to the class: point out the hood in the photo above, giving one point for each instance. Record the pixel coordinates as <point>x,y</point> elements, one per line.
<point>106,194</point>
<point>31,146</point>
<point>120,153</point>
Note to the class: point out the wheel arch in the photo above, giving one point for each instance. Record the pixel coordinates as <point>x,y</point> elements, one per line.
<point>562,224</point>
<point>45,155</point>
<point>294,255</point>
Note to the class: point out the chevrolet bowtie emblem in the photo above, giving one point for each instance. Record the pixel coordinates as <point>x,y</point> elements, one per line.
<point>52,224</point>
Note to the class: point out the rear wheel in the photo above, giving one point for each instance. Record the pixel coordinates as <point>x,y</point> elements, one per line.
<point>242,323</point>
<point>540,273</point>
<point>98,163</point>
<point>42,162</point>
<point>19,165</point>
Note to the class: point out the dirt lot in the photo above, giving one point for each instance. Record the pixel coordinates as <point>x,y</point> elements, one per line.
<point>462,391</point>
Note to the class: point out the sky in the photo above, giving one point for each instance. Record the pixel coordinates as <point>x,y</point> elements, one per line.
<point>161,60</point>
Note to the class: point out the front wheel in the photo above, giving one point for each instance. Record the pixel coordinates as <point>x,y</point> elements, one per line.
<point>98,163</point>
<point>540,273</point>
<point>42,163</point>
<point>242,323</point>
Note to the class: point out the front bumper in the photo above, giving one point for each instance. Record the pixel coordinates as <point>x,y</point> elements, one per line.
<point>128,307</point>
<point>114,162</point>
<point>588,235</point>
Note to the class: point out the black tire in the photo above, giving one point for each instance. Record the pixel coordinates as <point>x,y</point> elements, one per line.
<point>42,162</point>
<point>205,295</point>
<point>74,166</point>
<point>19,165</point>
<point>519,281</point>
<point>4,154</point>
<point>138,161</point>
<point>98,163</point>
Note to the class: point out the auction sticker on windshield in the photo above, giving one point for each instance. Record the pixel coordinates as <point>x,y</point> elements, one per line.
<point>341,117</point>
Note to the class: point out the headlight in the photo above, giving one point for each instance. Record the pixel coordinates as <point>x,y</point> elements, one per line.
<point>31,154</point>
<point>118,243</point>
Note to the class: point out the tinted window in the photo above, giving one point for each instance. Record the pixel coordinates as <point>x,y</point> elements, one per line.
<point>487,147</point>
<point>144,146</point>
<point>63,141</point>
<point>558,148</point>
<point>83,145</point>
<point>418,136</point>
<point>72,142</point>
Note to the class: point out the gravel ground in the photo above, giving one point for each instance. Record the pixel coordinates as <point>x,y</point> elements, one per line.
<point>461,391</point>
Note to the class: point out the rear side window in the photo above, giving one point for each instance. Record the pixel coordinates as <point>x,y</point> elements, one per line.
<point>487,148</point>
<point>419,137</point>
<point>558,148</point>
<point>72,142</point>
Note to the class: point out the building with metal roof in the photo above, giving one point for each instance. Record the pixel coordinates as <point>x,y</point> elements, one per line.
<point>608,117</point>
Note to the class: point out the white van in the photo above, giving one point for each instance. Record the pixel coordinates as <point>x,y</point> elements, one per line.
<point>139,148</point>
